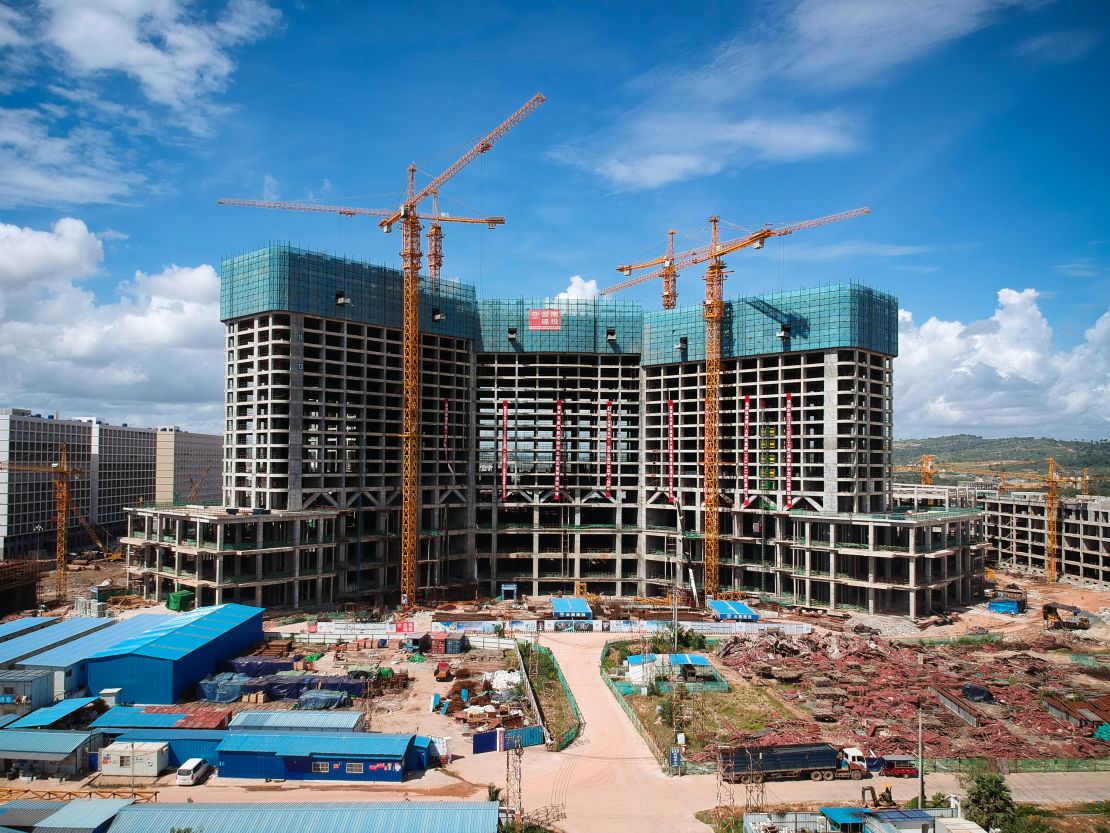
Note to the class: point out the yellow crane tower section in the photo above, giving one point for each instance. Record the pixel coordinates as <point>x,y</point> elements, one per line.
<point>61,472</point>
<point>409,216</point>
<point>713,312</point>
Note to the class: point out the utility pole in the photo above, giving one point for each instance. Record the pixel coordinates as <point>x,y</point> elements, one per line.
<point>514,800</point>
<point>920,762</point>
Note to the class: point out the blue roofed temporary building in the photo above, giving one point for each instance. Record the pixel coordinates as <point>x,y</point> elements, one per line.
<point>36,642</point>
<point>134,717</point>
<point>26,624</point>
<point>57,716</point>
<point>330,756</point>
<point>24,690</point>
<point>183,743</point>
<point>298,720</point>
<point>25,813</point>
<point>571,608</point>
<point>732,611</point>
<point>163,663</point>
<point>47,753</point>
<point>69,662</point>
<point>87,815</point>
<point>345,817</point>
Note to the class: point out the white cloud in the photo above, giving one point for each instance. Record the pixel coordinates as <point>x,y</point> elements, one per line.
<point>66,252</point>
<point>1080,267</point>
<point>178,58</point>
<point>41,166</point>
<point>1002,375</point>
<point>850,249</point>
<point>1061,47</point>
<point>10,23</point>
<point>270,187</point>
<point>579,290</point>
<point>734,108</point>
<point>150,355</point>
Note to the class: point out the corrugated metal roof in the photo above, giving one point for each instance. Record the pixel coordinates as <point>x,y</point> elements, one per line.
<point>18,743</point>
<point>348,817</point>
<point>184,633</point>
<point>36,642</point>
<point>843,815</point>
<point>52,714</point>
<point>8,719</point>
<point>83,814</point>
<point>571,605</point>
<point>688,659</point>
<point>170,734</point>
<point>640,659</point>
<point>12,629</point>
<point>26,812</point>
<point>308,744</point>
<point>300,719</point>
<point>81,649</point>
<point>133,717</point>
<point>23,675</point>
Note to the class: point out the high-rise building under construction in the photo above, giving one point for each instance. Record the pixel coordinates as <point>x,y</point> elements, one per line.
<point>561,442</point>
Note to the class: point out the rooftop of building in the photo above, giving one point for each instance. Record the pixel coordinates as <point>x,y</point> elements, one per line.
<point>300,719</point>
<point>16,627</point>
<point>345,817</point>
<point>81,649</point>
<point>184,633</point>
<point>309,744</point>
<point>49,715</point>
<point>42,640</point>
<point>284,278</point>
<point>908,517</point>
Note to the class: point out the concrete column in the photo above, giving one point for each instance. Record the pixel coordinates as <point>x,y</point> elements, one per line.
<point>913,603</point>
<point>870,599</point>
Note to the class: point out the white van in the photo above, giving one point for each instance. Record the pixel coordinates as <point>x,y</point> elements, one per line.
<point>192,772</point>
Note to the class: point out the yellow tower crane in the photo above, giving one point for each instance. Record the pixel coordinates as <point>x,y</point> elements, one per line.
<point>713,313</point>
<point>61,473</point>
<point>409,216</point>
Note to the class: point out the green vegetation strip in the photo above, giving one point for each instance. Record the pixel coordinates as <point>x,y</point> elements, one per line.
<point>560,711</point>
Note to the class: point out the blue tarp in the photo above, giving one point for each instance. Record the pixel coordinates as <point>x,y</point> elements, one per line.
<point>260,666</point>
<point>977,693</point>
<point>223,688</point>
<point>324,699</point>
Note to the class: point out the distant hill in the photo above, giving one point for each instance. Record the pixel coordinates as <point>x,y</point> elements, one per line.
<point>972,449</point>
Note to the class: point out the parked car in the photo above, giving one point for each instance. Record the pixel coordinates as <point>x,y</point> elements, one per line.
<point>192,772</point>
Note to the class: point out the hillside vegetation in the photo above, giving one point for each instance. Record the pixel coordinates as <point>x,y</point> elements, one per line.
<point>974,450</point>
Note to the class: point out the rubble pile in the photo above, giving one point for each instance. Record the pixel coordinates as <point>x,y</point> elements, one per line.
<point>858,690</point>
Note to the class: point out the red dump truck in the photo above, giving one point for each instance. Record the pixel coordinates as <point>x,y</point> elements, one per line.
<point>818,761</point>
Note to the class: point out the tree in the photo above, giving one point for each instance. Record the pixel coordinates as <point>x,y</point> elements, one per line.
<point>493,792</point>
<point>989,802</point>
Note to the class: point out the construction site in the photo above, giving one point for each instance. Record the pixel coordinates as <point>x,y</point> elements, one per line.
<point>454,511</point>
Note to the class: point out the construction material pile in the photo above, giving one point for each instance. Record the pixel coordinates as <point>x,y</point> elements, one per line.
<point>854,690</point>
<point>486,701</point>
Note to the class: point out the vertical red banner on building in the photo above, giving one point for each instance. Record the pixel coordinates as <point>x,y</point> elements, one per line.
<point>446,419</point>
<point>558,446</point>
<point>747,445</point>
<point>504,449</point>
<point>609,448</point>
<point>670,447</point>
<point>789,451</point>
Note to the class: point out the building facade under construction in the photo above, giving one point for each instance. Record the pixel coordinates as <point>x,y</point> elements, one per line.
<point>561,442</point>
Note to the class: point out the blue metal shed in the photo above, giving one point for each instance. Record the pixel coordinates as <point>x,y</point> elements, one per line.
<point>163,663</point>
<point>133,717</point>
<point>340,720</point>
<point>69,662</point>
<point>26,624</point>
<point>327,756</point>
<point>49,715</point>
<point>36,642</point>
<point>571,608</point>
<point>732,611</point>
<point>345,817</point>
<point>184,743</point>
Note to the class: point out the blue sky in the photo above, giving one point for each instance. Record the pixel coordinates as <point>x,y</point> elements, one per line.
<point>976,131</point>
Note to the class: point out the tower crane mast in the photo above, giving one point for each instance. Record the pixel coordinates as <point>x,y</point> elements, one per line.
<point>713,312</point>
<point>409,216</point>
